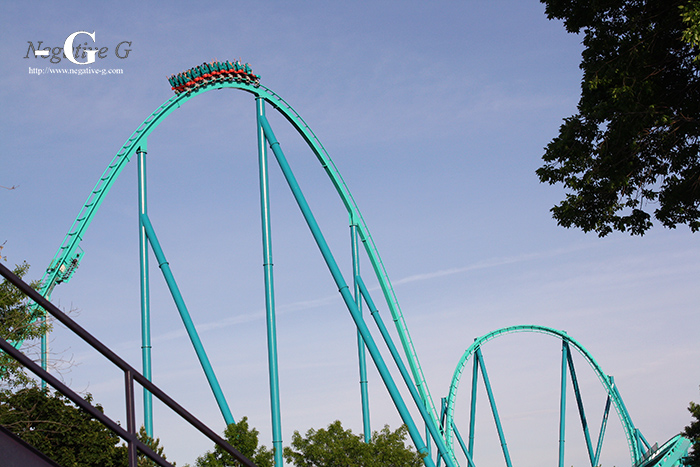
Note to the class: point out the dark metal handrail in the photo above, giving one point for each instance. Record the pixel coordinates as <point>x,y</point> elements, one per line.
<point>130,375</point>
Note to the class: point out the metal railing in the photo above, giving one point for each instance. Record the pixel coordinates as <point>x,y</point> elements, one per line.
<point>129,434</point>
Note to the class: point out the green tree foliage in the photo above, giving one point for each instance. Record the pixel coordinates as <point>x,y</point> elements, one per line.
<point>632,149</point>
<point>245,439</point>
<point>49,421</point>
<point>692,432</point>
<point>60,430</point>
<point>338,447</point>
<point>154,444</point>
<point>691,16</point>
<point>18,323</point>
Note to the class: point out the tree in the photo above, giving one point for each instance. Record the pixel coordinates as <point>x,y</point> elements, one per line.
<point>18,323</point>
<point>49,421</point>
<point>632,149</point>
<point>154,444</point>
<point>60,430</point>
<point>691,17</point>
<point>245,439</point>
<point>65,433</point>
<point>692,432</point>
<point>337,447</point>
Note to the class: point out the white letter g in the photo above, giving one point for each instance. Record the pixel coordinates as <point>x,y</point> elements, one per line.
<point>68,49</point>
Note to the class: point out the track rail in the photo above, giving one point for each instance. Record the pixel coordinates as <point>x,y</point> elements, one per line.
<point>67,259</point>
<point>69,254</point>
<point>606,381</point>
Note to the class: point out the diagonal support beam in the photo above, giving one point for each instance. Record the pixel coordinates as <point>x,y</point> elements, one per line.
<point>579,402</point>
<point>460,440</point>
<point>601,434</point>
<point>494,410</point>
<point>187,320</point>
<point>463,446</point>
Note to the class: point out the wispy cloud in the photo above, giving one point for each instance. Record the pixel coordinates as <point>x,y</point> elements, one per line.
<point>490,263</point>
<point>485,264</point>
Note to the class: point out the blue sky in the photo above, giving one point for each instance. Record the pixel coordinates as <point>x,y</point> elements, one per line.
<point>436,114</point>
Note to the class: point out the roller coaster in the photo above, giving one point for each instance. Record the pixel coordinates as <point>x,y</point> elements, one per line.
<point>438,423</point>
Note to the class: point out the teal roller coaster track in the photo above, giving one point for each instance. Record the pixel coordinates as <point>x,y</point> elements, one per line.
<point>440,426</point>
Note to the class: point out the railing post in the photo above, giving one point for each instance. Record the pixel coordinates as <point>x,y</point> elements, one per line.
<point>44,348</point>
<point>131,375</point>
<point>130,417</point>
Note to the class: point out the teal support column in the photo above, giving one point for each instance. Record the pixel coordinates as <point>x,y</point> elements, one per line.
<point>269,289</point>
<point>601,433</point>
<point>443,413</point>
<point>646,446</point>
<point>562,402</point>
<point>463,446</point>
<point>145,293</point>
<point>345,292</point>
<point>494,410</point>
<point>579,403</point>
<point>428,444</point>
<point>187,320</point>
<point>364,394</point>
<point>472,411</point>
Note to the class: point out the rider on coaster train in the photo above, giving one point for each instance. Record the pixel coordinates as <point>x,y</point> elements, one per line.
<point>211,72</point>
